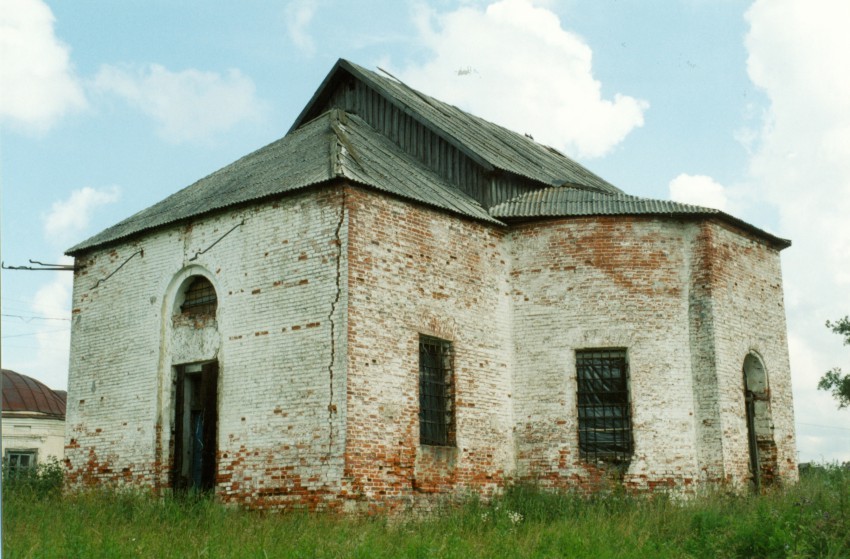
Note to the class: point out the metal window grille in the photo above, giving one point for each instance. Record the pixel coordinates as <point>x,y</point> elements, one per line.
<point>436,405</point>
<point>200,298</point>
<point>604,413</point>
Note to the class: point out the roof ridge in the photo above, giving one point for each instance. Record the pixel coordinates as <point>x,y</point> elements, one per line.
<point>338,120</point>
<point>516,154</point>
<point>449,197</point>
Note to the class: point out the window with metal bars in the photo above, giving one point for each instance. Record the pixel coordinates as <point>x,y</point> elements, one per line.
<point>604,411</point>
<point>200,298</point>
<point>436,396</point>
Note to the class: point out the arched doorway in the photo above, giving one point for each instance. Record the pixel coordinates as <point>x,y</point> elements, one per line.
<point>762,448</point>
<point>195,417</point>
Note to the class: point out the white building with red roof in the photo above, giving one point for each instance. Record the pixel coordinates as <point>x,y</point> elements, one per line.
<point>33,421</point>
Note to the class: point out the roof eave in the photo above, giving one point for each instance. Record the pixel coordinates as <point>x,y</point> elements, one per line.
<point>778,243</point>
<point>83,247</point>
<point>775,242</point>
<point>35,415</point>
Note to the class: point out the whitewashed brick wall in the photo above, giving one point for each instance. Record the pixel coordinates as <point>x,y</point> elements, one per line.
<point>749,316</point>
<point>276,281</point>
<point>322,298</point>
<point>416,271</point>
<point>603,283</point>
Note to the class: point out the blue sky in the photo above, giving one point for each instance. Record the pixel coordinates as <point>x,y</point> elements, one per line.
<point>739,105</point>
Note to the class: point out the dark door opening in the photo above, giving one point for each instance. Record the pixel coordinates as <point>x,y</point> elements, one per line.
<point>761,446</point>
<point>195,427</point>
<point>750,400</point>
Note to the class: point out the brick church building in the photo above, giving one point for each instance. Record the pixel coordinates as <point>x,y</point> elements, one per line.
<point>399,301</point>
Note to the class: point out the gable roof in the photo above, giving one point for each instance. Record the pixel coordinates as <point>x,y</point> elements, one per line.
<point>488,144</point>
<point>336,145</point>
<point>571,202</point>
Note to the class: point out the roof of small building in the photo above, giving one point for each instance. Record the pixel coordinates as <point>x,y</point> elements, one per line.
<point>327,144</point>
<point>25,394</point>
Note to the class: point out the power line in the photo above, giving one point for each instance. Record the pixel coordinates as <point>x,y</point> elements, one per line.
<point>16,300</point>
<point>823,426</point>
<point>41,349</point>
<point>31,318</point>
<point>34,333</point>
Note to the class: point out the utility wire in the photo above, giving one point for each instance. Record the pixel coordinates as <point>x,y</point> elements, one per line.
<point>16,300</point>
<point>823,426</point>
<point>29,319</point>
<point>40,349</point>
<point>33,333</point>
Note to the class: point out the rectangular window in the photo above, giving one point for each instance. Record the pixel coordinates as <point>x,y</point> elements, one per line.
<point>604,414</point>
<point>20,459</point>
<point>436,397</point>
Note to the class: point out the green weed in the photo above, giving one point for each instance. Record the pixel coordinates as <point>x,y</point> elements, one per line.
<point>810,519</point>
<point>43,480</point>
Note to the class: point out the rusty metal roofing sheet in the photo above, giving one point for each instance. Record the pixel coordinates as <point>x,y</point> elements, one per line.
<point>335,145</point>
<point>25,394</point>
<point>572,202</point>
<point>487,143</point>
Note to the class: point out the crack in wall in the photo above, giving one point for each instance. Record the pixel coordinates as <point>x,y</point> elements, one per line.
<point>332,409</point>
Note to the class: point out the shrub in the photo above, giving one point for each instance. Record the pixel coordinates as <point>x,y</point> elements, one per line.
<point>42,480</point>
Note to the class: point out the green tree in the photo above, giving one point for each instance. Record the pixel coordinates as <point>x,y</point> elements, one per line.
<point>834,380</point>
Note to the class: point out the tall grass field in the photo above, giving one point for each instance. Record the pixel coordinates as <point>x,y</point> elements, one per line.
<point>810,519</point>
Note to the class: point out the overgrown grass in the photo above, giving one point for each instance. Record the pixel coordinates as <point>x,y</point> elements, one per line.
<point>811,519</point>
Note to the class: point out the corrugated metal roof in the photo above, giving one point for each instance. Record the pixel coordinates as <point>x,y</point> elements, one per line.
<point>487,143</point>
<point>378,162</point>
<point>335,145</point>
<point>573,202</point>
<point>558,201</point>
<point>25,394</point>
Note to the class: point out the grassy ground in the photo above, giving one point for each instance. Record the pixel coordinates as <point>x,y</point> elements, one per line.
<point>811,519</point>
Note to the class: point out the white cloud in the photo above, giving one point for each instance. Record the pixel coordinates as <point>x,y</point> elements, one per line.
<point>37,82</point>
<point>799,53</point>
<point>54,338</point>
<point>819,425</point>
<point>699,190</point>
<point>62,225</point>
<point>189,105</point>
<point>299,15</point>
<point>70,217</point>
<point>514,64</point>
<point>41,348</point>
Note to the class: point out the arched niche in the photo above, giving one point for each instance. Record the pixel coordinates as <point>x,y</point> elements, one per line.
<point>761,445</point>
<point>192,330</point>
<point>755,377</point>
<point>196,298</point>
